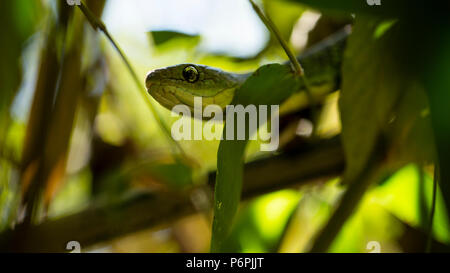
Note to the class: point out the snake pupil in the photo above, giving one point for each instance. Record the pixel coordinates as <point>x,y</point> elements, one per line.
<point>190,74</point>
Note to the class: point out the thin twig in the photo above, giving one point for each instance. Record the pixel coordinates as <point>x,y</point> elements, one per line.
<point>96,23</point>
<point>271,26</point>
<point>295,63</point>
<point>433,209</point>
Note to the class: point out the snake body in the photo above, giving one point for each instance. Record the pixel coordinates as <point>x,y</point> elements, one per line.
<point>179,84</point>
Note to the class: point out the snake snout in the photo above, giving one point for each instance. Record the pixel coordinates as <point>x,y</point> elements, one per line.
<point>150,79</point>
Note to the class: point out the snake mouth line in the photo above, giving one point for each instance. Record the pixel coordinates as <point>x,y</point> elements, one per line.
<point>170,98</point>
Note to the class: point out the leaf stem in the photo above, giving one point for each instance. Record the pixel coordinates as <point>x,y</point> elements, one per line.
<point>271,26</point>
<point>433,209</point>
<point>295,63</point>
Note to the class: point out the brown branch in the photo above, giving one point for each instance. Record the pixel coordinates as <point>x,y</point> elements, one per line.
<point>96,224</point>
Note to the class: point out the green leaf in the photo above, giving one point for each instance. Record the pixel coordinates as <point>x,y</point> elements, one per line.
<point>374,79</point>
<point>15,32</point>
<point>262,223</point>
<point>269,85</point>
<point>372,84</point>
<point>436,42</point>
<point>284,15</point>
<point>410,133</point>
<point>385,9</point>
<point>401,196</point>
<point>176,175</point>
<point>162,36</point>
<point>227,192</point>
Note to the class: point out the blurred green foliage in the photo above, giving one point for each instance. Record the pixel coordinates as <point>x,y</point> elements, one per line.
<point>95,141</point>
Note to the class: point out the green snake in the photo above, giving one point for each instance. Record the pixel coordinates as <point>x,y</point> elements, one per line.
<point>179,84</point>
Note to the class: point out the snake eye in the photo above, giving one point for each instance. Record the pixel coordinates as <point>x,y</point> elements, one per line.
<point>190,74</point>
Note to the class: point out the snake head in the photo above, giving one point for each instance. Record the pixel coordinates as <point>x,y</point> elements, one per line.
<point>180,84</point>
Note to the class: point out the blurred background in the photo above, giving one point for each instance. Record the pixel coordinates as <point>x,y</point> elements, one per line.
<point>82,157</point>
